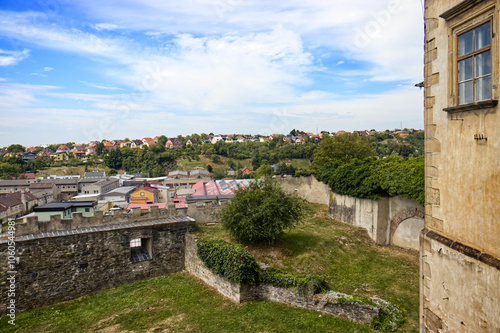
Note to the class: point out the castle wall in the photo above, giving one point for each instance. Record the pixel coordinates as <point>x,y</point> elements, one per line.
<point>55,266</point>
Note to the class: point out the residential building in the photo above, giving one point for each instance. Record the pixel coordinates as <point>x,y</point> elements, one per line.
<point>119,194</point>
<point>14,205</point>
<point>91,149</point>
<point>101,186</point>
<point>63,149</point>
<point>145,194</point>
<point>246,171</point>
<point>173,143</point>
<point>60,156</point>
<point>45,192</point>
<point>68,187</point>
<point>65,209</point>
<point>14,185</point>
<point>136,144</point>
<point>191,142</point>
<point>460,247</point>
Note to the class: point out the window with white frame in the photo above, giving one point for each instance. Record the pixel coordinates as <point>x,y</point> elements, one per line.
<point>474,64</point>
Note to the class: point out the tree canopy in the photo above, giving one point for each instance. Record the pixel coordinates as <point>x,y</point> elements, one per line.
<point>344,147</point>
<point>262,212</point>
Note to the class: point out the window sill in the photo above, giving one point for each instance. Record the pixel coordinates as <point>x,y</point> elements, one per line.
<point>472,106</point>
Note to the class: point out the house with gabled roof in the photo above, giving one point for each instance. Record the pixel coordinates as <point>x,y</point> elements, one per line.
<point>173,143</point>
<point>144,194</point>
<point>191,142</point>
<point>136,144</point>
<point>148,142</point>
<point>63,149</point>
<point>13,205</point>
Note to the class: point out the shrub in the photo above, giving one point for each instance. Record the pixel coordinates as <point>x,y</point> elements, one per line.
<point>261,212</point>
<point>228,260</point>
<point>278,278</point>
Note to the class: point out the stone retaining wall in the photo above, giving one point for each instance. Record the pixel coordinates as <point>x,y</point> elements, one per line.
<point>303,297</point>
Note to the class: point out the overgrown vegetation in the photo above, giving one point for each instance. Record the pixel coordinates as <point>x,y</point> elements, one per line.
<point>376,178</point>
<point>228,260</point>
<point>279,278</point>
<point>262,212</point>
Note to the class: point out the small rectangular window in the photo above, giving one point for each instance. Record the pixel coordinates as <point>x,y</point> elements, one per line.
<point>140,249</point>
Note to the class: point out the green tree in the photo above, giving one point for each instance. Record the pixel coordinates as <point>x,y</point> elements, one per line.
<point>114,159</point>
<point>344,147</point>
<point>262,212</point>
<point>15,148</point>
<point>264,170</point>
<point>99,148</point>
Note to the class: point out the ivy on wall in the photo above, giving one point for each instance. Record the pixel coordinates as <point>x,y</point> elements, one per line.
<point>230,261</point>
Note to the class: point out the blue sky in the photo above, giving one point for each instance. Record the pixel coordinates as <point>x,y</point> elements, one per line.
<point>92,70</point>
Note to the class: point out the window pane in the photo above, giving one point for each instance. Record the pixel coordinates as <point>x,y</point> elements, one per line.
<point>465,43</point>
<point>482,36</point>
<point>465,69</point>
<point>465,92</point>
<point>483,64</point>
<point>483,88</point>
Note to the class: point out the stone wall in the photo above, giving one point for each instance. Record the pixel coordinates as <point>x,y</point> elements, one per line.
<point>381,218</point>
<point>202,213</point>
<point>234,291</point>
<point>298,297</point>
<point>55,266</point>
<point>308,188</point>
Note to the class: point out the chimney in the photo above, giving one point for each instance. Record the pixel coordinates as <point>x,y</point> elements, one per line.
<point>23,199</point>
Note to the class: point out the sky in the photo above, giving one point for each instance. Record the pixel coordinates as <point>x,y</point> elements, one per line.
<point>85,70</point>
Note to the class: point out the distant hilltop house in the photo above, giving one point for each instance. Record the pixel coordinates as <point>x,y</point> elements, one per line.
<point>191,142</point>
<point>173,143</point>
<point>148,142</point>
<point>63,149</point>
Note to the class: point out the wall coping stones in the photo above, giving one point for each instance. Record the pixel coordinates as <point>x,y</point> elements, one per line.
<point>58,233</point>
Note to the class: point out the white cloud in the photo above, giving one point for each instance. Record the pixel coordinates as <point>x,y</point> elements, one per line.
<point>47,69</point>
<point>99,86</point>
<point>9,58</point>
<point>107,26</point>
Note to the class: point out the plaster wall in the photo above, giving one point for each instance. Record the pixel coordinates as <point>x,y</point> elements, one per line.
<point>460,293</point>
<point>308,188</point>
<point>381,218</point>
<point>460,263</point>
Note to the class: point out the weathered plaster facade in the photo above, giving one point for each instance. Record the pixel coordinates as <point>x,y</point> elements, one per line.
<point>460,245</point>
<point>388,221</point>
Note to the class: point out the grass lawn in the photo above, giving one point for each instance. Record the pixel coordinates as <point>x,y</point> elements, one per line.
<point>180,303</point>
<point>172,303</point>
<point>346,257</point>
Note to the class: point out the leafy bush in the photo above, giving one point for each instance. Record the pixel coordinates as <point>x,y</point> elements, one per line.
<point>278,278</point>
<point>228,260</point>
<point>261,212</point>
<point>376,178</point>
